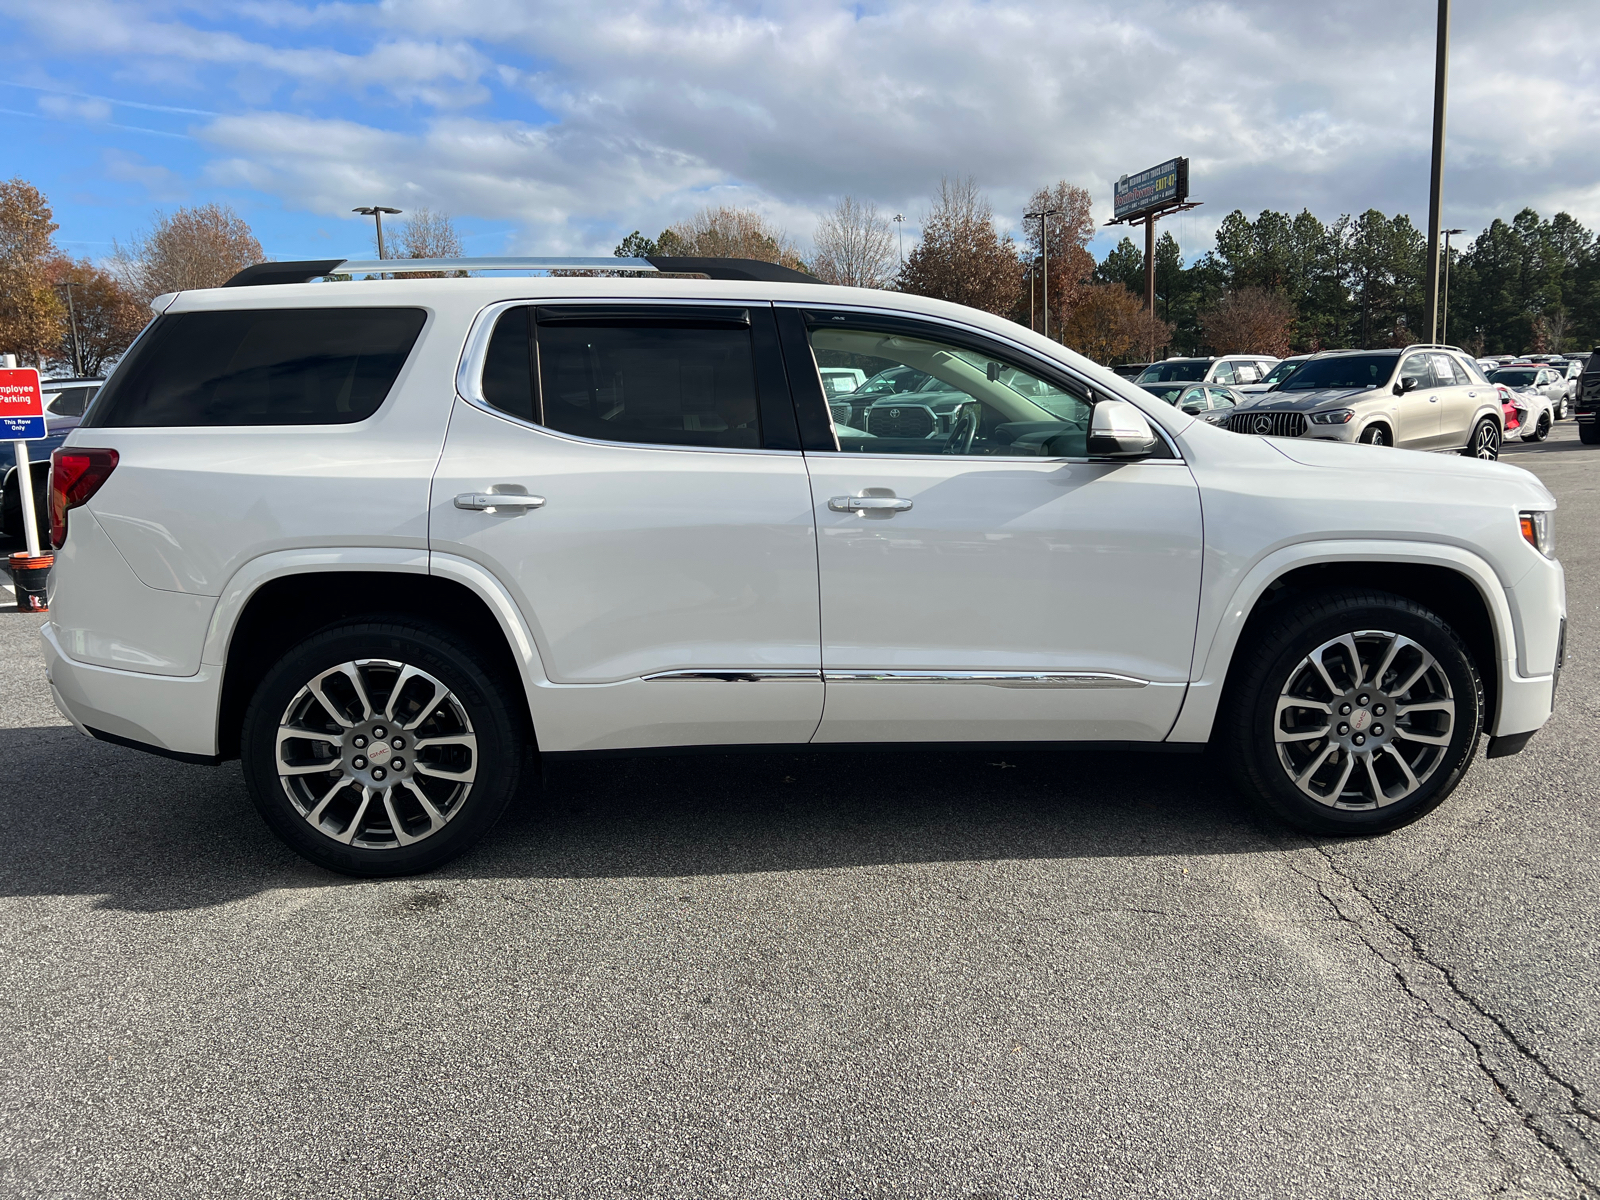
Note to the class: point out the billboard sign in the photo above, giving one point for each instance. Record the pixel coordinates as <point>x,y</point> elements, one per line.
<point>21,405</point>
<point>1158,187</point>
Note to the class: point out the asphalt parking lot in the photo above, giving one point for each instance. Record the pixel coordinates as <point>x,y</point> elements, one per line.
<point>918,975</point>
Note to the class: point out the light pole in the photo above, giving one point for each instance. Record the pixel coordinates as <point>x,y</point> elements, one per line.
<point>1444,299</point>
<point>72,316</point>
<point>900,228</point>
<point>1441,75</point>
<point>376,211</point>
<point>1044,215</point>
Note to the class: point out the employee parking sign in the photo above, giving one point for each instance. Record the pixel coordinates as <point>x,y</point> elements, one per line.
<point>21,405</point>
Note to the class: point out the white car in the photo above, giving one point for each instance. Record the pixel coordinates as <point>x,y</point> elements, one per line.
<point>384,539</point>
<point>1281,370</point>
<point>1230,370</point>
<point>1540,394</point>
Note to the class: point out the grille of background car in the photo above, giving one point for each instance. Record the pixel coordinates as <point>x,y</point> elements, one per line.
<point>1277,424</point>
<point>901,421</point>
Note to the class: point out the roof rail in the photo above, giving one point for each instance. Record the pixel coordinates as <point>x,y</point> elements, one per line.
<point>712,268</point>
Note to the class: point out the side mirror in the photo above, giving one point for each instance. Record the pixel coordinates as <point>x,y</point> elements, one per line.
<point>1119,430</point>
<point>992,371</point>
<point>1194,410</point>
<point>1408,384</point>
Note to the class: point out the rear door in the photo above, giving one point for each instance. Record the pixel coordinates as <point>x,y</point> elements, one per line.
<point>1460,398</point>
<point>657,532</point>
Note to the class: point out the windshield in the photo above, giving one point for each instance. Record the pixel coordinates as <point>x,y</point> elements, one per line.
<point>1514,376</point>
<point>1282,371</point>
<point>1346,371</point>
<point>1178,370</point>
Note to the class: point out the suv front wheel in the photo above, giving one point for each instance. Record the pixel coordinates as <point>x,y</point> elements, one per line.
<point>381,748</point>
<point>1351,712</point>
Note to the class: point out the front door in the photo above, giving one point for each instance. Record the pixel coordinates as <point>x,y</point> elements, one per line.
<point>982,578</point>
<point>1417,410</point>
<point>656,529</point>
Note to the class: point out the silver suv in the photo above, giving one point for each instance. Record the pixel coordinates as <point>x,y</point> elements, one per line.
<point>1418,398</point>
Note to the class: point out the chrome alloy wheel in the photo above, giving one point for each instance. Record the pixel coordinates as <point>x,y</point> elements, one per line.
<point>1364,720</point>
<point>376,754</point>
<point>1486,442</point>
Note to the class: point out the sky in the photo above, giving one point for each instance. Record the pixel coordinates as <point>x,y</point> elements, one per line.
<point>557,127</point>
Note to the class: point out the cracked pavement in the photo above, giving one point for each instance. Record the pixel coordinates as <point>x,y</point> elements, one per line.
<point>922,974</point>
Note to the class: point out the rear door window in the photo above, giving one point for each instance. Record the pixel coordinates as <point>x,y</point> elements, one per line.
<point>1223,373</point>
<point>301,366</point>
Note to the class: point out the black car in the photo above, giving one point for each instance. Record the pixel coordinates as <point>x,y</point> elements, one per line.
<point>1586,405</point>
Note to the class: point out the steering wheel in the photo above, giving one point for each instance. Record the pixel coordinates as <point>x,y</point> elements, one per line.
<point>962,431</point>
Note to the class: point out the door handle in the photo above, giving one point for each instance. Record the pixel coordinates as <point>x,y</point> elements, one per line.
<point>1433,399</point>
<point>868,503</point>
<point>484,501</point>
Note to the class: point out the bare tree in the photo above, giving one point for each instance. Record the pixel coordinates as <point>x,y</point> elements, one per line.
<point>729,233</point>
<point>1108,322</point>
<point>855,246</point>
<point>200,247</point>
<point>428,234</point>
<point>961,257</point>
<point>30,309</point>
<point>107,314</point>
<point>1071,265</point>
<point>1249,320</point>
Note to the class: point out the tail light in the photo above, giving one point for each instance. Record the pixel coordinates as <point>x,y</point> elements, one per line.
<point>75,475</point>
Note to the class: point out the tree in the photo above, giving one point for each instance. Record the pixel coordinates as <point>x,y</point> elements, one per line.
<point>1124,265</point>
<point>1109,322</point>
<point>855,246</point>
<point>1249,320</point>
<point>107,314</point>
<point>426,234</point>
<point>636,245</point>
<point>30,309</point>
<point>729,233</point>
<point>961,257</point>
<point>200,247</point>
<point>1071,265</point>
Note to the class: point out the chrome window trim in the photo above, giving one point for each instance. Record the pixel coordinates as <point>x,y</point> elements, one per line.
<point>469,369</point>
<point>1028,352</point>
<point>725,676</point>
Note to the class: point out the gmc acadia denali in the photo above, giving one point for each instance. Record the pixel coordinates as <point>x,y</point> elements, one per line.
<point>384,539</point>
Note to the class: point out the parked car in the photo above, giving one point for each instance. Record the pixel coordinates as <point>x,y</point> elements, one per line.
<point>1419,398</point>
<point>1130,370</point>
<point>385,541</point>
<point>1228,370</point>
<point>64,402</point>
<point>1281,370</point>
<point>1543,391</point>
<point>1572,372</point>
<point>1586,403</point>
<point>1211,402</point>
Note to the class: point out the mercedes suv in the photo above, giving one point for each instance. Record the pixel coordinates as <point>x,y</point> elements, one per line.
<point>1419,398</point>
<point>386,541</point>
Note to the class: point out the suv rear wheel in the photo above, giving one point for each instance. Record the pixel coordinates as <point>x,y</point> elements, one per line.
<point>1589,433</point>
<point>1353,712</point>
<point>381,748</point>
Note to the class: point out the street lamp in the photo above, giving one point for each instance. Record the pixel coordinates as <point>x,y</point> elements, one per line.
<point>1044,215</point>
<point>376,211</point>
<point>72,314</point>
<point>1444,300</point>
<point>900,228</point>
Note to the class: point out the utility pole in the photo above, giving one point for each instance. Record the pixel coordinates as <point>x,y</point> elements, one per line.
<point>1150,264</point>
<point>72,316</point>
<point>900,229</point>
<point>376,211</point>
<point>1044,215</point>
<point>1441,70</point>
<point>1444,301</point>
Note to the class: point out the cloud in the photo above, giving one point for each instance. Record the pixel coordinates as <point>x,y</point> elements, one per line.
<point>579,120</point>
<point>83,108</point>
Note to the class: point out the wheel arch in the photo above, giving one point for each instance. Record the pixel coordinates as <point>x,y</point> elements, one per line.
<point>282,602</point>
<point>1456,584</point>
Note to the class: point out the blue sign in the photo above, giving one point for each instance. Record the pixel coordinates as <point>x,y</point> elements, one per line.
<point>1158,187</point>
<point>22,429</point>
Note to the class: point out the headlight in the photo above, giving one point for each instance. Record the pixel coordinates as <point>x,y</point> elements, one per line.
<point>1538,528</point>
<point>1337,416</point>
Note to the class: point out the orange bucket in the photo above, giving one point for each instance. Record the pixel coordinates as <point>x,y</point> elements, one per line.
<point>31,575</point>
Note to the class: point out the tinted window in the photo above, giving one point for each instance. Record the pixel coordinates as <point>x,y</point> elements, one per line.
<point>303,366</point>
<point>1445,371</point>
<point>1516,377</point>
<point>70,402</point>
<point>508,366</point>
<point>1176,371</point>
<point>1282,371</point>
<point>1221,398</point>
<point>660,381</point>
<point>1345,371</point>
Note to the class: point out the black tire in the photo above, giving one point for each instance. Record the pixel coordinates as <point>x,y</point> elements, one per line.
<point>1484,442</point>
<point>1589,433</point>
<point>475,728</point>
<point>1541,430</point>
<point>1275,657</point>
<point>1376,435</point>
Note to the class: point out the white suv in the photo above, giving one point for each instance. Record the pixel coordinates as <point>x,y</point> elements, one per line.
<point>382,539</point>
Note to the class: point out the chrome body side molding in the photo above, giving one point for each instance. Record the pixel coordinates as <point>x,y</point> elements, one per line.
<point>756,676</point>
<point>1004,679</point>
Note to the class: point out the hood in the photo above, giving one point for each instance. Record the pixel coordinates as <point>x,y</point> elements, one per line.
<point>1307,401</point>
<point>1313,452</point>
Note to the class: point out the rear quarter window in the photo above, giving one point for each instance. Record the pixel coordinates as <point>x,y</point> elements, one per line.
<point>301,366</point>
